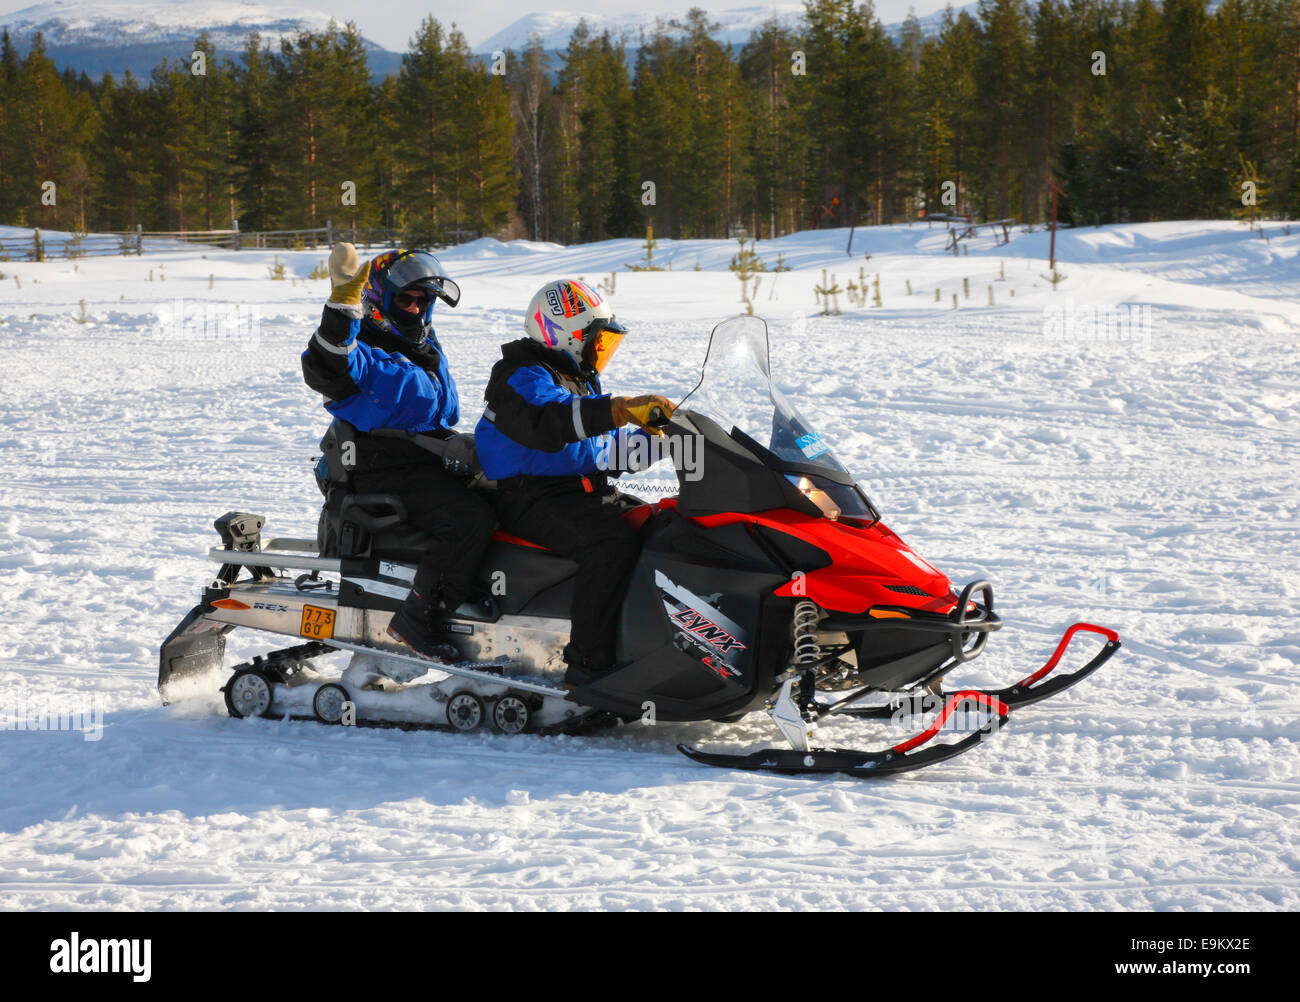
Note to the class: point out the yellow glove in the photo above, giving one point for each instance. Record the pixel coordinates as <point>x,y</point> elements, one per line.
<point>641,411</point>
<point>347,276</point>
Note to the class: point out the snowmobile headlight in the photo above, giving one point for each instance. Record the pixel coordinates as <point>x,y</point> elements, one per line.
<point>816,495</point>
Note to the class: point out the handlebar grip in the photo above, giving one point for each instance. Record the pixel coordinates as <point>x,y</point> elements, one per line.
<point>658,419</point>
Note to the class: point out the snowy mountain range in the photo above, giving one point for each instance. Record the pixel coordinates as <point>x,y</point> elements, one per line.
<point>107,36</point>
<point>100,37</point>
<point>554,27</point>
<point>735,25</point>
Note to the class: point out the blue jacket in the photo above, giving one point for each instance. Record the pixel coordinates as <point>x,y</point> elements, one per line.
<point>375,379</point>
<point>545,417</point>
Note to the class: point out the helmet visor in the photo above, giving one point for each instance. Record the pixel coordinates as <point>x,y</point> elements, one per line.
<point>422,270</point>
<point>604,337</point>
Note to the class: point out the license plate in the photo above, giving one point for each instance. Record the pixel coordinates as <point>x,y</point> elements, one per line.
<point>317,623</point>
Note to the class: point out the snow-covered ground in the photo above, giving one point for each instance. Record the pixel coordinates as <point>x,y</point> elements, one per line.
<point>1135,469</point>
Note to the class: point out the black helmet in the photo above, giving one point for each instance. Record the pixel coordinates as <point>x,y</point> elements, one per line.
<point>404,271</point>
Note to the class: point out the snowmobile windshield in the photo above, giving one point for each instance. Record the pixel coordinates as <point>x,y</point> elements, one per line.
<point>736,390</point>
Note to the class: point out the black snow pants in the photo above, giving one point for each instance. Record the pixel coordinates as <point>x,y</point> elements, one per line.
<point>460,522</point>
<point>580,518</point>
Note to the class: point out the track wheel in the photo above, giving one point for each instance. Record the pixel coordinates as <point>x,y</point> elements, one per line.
<point>329,703</point>
<point>249,693</point>
<point>465,711</point>
<point>511,713</point>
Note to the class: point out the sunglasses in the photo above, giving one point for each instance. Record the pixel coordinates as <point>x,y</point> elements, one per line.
<point>404,299</point>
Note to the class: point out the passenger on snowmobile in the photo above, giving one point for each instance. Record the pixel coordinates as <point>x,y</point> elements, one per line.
<point>545,439</point>
<point>377,362</point>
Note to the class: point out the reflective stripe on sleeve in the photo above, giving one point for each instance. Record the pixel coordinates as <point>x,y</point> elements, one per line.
<point>337,349</point>
<point>577,418</point>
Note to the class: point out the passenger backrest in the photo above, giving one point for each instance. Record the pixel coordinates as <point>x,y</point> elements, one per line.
<point>338,453</point>
<point>338,449</point>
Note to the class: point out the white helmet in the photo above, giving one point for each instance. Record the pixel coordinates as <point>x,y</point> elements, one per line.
<point>572,317</point>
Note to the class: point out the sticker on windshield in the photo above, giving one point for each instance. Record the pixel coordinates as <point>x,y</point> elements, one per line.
<point>812,445</point>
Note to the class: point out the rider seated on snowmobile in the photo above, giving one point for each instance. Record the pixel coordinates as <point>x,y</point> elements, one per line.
<point>545,439</point>
<point>377,362</point>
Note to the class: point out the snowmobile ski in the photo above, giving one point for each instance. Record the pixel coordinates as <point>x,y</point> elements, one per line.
<point>1024,693</point>
<point>899,758</point>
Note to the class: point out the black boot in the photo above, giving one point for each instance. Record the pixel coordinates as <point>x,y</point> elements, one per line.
<point>582,670</point>
<point>419,625</point>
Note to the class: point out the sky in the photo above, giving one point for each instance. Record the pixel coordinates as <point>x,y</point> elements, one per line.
<point>392,23</point>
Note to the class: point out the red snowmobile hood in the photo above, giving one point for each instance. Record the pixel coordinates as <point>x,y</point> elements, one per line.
<point>870,566</point>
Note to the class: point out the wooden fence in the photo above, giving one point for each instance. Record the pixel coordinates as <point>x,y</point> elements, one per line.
<point>963,229</point>
<point>41,247</point>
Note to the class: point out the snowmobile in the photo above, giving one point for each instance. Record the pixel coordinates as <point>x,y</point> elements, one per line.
<point>768,583</point>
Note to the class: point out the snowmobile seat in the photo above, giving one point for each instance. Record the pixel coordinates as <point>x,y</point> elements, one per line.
<point>374,525</point>
<point>367,525</point>
<point>359,525</point>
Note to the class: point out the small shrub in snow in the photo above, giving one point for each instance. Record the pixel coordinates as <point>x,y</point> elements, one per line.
<point>1055,278</point>
<point>828,295</point>
<point>649,263</point>
<point>746,265</point>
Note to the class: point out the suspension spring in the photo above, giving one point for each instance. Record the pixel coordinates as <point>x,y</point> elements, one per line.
<point>804,629</point>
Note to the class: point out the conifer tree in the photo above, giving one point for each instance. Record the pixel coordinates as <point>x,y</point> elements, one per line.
<point>571,98</point>
<point>258,168</point>
<point>1004,55</point>
<point>348,143</point>
<point>173,136</point>
<point>489,183</point>
<point>10,67</point>
<point>383,143</point>
<point>426,124</point>
<point>213,96</point>
<point>766,64</point>
<point>604,167</point>
<point>50,130</point>
<point>124,179</point>
<point>317,78</point>
<point>531,111</point>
